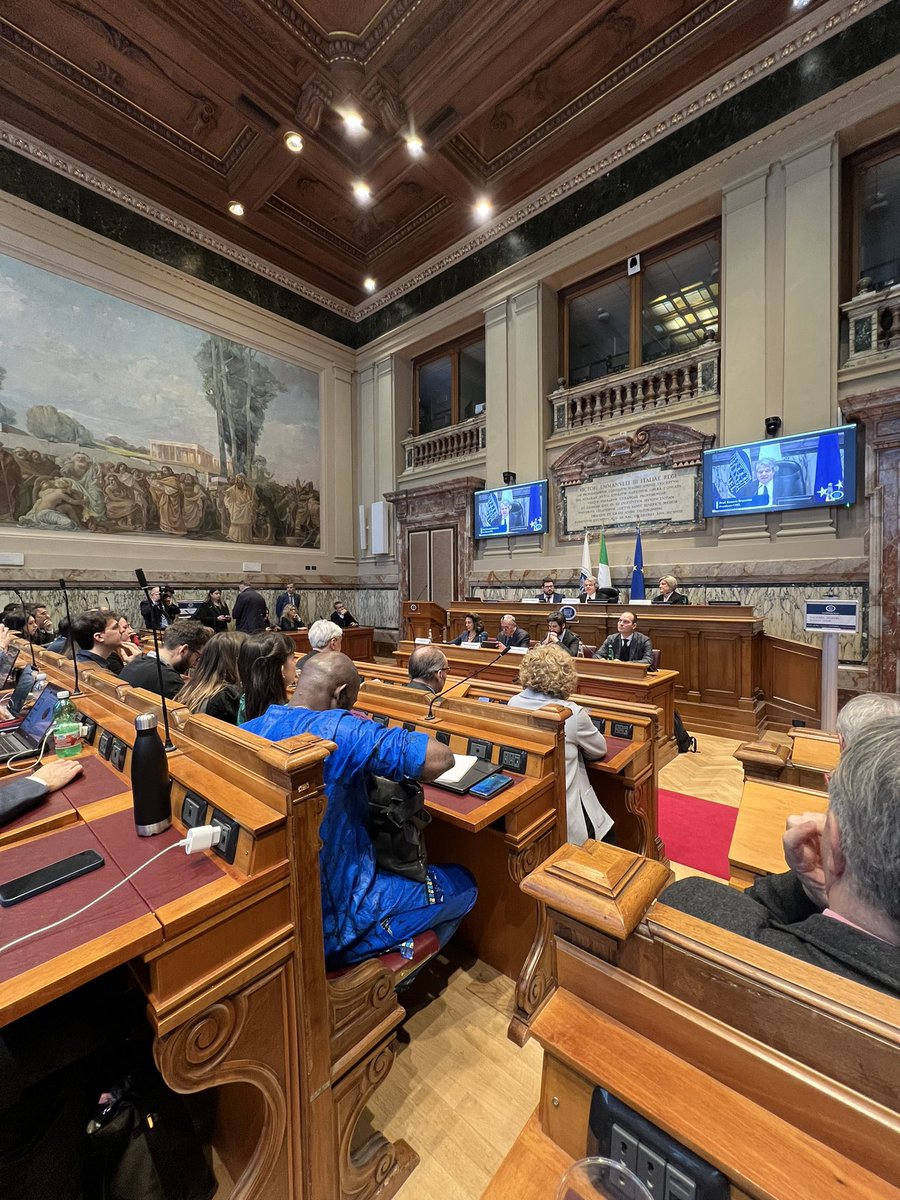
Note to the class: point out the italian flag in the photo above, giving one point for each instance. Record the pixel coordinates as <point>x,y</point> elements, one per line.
<point>603,576</point>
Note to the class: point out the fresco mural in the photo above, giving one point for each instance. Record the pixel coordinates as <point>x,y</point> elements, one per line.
<point>115,419</point>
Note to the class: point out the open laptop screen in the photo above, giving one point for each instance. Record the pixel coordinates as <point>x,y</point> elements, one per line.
<point>40,716</point>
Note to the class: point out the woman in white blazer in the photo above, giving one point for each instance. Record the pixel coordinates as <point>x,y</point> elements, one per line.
<point>548,676</point>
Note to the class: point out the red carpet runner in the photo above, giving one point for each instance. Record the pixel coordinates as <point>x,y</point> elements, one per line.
<point>697,833</point>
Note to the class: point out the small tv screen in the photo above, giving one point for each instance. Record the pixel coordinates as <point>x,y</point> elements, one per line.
<point>511,511</point>
<point>804,470</point>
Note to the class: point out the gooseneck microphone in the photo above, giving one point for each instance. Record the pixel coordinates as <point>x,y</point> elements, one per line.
<point>64,590</point>
<point>460,682</point>
<point>25,630</point>
<point>142,583</point>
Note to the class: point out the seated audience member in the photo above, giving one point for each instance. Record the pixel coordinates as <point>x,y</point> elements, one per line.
<point>473,632</point>
<point>511,634</point>
<point>323,636</point>
<point>153,613</point>
<point>22,624</point>
<point>547,676</point>
<point>548,593</point>
<point>60,644</point>
<point>267,668</point>
<point>169,604</point>
<point>178,653</point>
<point>290,618</point>
<point>342,616</point>
<point>838,906</point>
<point>213,612</point>
<point>43,624</point>
<point>668,592</point>
<point>97,640</point>
<point>214,687</point>
<point>129,637</point>
<point>250,612</point>
<point>559,634</point>
<point>366,911</point>
<point>427,669</point>
<point>858,713</point>
<point>627,645</point>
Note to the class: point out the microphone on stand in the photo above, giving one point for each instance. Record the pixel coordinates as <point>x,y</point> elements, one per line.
<point>25,630</point>
<point>460,682</point>
<point>142,583</point>
<point>63,589</point>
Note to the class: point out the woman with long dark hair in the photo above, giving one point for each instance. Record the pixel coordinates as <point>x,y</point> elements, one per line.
<point>214,687</point>
<point>267,668</point>
<point>473,632</point>
<point>213,612</point>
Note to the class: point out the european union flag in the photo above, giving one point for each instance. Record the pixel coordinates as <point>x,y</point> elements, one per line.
<point>637,574</point>
<point>829,485</point>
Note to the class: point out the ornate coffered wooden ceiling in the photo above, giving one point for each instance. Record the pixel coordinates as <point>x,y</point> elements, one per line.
<point>188,103</point>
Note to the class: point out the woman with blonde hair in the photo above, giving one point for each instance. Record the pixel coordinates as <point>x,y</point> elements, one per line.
<point>548,676</point>
<point>214,687</point>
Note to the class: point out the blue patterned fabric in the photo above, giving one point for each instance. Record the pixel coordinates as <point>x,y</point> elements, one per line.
<point>366,911</point>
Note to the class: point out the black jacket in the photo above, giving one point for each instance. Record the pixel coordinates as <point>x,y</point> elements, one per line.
<point>672,598</point>
<point>640,649</point>
<point>519,638</point>
<point>207,614</point>
<point>250,611</point>
<point>141,672</point>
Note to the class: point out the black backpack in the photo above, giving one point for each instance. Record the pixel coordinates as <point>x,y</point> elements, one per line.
<point>683,739</point>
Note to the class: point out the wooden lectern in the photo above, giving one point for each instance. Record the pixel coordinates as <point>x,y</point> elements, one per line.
<point>424,619</point>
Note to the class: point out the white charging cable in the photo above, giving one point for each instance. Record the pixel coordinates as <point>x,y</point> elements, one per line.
<point>30,766</point>
<point>203,837</point>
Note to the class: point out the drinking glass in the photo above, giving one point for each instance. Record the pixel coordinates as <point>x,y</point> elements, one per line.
<point>600,1179</point>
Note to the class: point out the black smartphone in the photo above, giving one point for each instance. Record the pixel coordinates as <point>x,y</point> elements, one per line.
<point>45,878</point>
<point>485,788</point>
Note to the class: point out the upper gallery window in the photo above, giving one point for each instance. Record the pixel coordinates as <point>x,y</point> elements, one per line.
<point>874,177</point>
<point>615,321</point>
<point>449,384</point>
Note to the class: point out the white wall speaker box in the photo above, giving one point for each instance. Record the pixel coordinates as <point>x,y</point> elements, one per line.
<point>380,527</point>
<point>363,531</point>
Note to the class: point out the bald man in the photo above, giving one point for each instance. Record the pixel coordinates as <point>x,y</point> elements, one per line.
<point>365,911</point>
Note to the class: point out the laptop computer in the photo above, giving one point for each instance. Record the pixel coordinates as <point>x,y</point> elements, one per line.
<point>7,663</point>
<point>30,734</point>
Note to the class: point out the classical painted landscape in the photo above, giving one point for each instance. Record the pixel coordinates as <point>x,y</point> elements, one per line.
<point>115,419</point>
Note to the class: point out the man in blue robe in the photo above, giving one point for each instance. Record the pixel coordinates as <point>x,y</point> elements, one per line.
<point>366,911</point>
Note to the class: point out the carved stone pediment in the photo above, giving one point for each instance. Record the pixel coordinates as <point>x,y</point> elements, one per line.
<point>662,444</point>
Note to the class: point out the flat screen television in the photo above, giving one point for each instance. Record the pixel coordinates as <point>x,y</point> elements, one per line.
<point>511,511</point>
<point>804,470</point>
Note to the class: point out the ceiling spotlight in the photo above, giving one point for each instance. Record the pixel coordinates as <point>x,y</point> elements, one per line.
<point>415,145</point>
<point>236,208</point>
<point>483,209</point>
<point>293,141</point>
<point>354,122</point>
<point>369,284</point>
<point>362,192</point>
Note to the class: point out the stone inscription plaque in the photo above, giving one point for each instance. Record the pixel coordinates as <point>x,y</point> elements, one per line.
<point>657,497</point>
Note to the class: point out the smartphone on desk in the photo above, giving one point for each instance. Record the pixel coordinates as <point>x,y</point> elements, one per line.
<point>45,878</point>
<point>486,788</point>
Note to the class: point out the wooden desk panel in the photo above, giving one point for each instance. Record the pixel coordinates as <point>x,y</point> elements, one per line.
<point>756,846</point>
<point>356,642</point>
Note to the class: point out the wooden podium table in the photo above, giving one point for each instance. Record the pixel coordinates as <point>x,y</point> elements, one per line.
<point>356,642</point>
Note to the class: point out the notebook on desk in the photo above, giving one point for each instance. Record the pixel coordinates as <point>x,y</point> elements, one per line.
<point>466,771</point>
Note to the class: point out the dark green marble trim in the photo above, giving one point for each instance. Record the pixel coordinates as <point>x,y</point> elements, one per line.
<point>825,66</point>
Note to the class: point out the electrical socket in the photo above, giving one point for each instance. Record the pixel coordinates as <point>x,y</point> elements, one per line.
<point>624,1148</point>
<point>228,841</point>
<point>193,810</point>
<point>678,1185</point>
<point>651,1171</point>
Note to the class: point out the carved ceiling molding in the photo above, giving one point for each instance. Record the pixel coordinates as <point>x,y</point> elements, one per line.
<point>62,165</point>
<point>341,47</point>
<point>312,226</point>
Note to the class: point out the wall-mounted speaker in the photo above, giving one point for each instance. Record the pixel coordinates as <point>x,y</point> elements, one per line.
<point>380,527</point>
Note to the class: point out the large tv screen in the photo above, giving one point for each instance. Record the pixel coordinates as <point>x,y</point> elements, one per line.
<point>806,470</point>
<point>511,511</point>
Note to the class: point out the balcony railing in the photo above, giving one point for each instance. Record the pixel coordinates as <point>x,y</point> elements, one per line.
<point>450,445</point>
<point>690,376</point>
<point>874,325</point>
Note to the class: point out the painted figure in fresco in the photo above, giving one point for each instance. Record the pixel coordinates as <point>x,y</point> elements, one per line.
<point>84,477</point>
<point>240,504</point>
<point>58,506</point>
<point>122,510</point>
<point>165,487</point>
<point>10,480</point>
<point>195,503</point>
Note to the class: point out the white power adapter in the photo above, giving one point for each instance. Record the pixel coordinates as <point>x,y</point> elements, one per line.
<point>202,837</point>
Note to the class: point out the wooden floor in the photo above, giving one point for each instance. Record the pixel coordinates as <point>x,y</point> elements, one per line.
<point>460,1091</point>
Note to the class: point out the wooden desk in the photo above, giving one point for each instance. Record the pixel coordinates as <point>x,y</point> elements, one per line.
<point>812,750</point>
<point>756,846</point>
<point>356,642</point>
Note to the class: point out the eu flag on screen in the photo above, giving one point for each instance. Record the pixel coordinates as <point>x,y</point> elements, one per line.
<point>829,485</point>
<point>637,573</point>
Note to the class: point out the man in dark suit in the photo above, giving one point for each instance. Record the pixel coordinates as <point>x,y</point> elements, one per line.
<point>342,616</point>
<point>591,594</point>
<point>291,595</point>
<point>511,634</point>
<point>627,645</point>
<point>250,612</point>
<point>427,669</point>
<point>767,488</point>
<point>838,905</point>
<point>668,592</point>
<point>548,593</point>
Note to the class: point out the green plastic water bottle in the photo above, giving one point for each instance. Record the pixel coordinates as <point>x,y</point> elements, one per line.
<point>66,727</point>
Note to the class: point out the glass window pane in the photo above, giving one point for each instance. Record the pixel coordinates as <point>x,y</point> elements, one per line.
<point>435,395</point>
<point>471,381</point>
<point>680,301</point>
<point>599,325</point>
<point>879,223</point>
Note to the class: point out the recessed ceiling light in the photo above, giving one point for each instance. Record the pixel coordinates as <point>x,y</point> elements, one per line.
<point>483,209</point>
<point>415,145</point>
<point>353,122</point>
<point>369,284</point>
<point>362,192</point>
<point>236,208</point>
<point>293,141</point>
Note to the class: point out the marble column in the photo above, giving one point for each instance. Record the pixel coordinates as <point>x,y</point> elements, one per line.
<point>339,399</point>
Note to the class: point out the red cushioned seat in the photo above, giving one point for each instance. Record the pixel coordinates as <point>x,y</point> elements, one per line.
<point>425,946</point>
